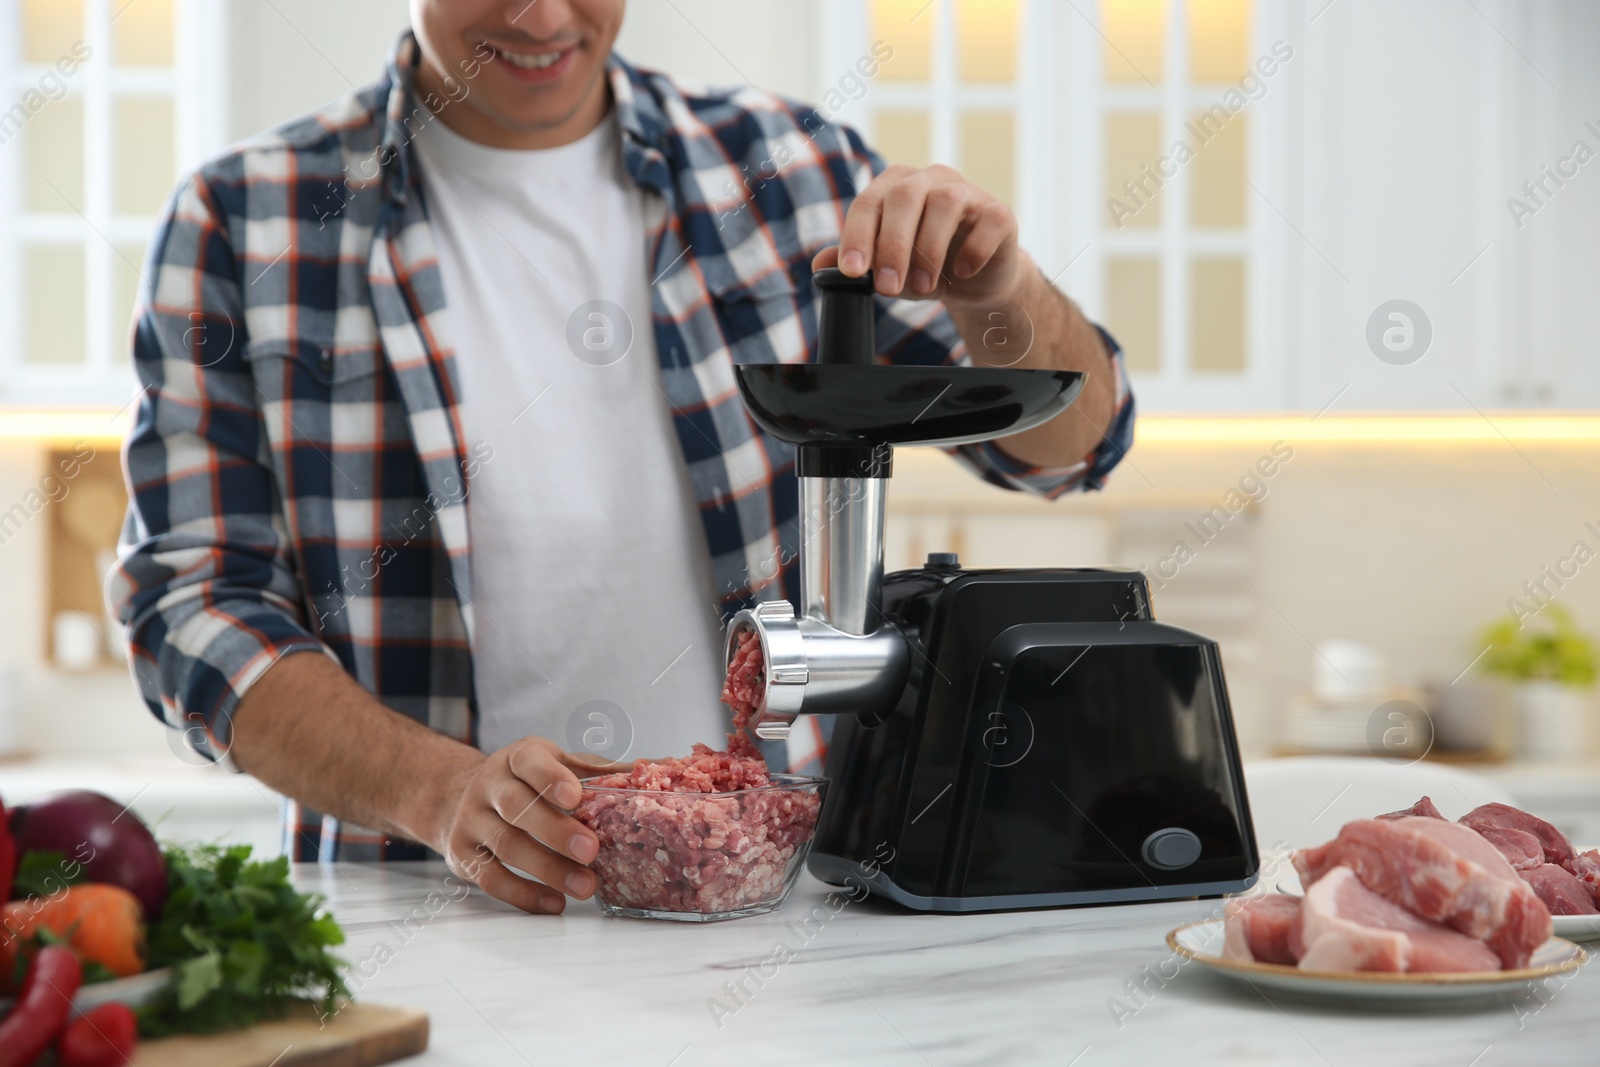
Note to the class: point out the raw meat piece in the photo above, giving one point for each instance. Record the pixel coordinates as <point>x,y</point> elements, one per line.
<point>742,691</point>
<point>1257,929</point>
<point>1423,808</point>
<point>1344,926</point>
<point>1585,867</point>
<point>1557,849</point>
<point>1520,848</point>
<point>1443,872</point>
<point>1561,892</point>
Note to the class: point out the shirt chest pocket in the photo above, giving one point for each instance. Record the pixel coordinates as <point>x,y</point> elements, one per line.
<point>765,321</point>
<point>310,393</point>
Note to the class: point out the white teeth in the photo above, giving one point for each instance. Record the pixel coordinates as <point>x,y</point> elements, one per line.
<point>537,62</point>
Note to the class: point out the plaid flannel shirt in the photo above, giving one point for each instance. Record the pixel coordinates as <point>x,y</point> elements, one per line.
<point>297,466</point>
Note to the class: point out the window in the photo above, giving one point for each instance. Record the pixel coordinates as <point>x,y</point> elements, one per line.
<point>102,110</point>
<point>1074,114</point>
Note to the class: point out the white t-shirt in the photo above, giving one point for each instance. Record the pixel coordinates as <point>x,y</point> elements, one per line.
<point>591,581</point>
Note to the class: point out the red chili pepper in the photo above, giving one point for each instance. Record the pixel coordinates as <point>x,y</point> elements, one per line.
<point>104,1037</point>
<point>8,855</point>
<point>42,1007</point>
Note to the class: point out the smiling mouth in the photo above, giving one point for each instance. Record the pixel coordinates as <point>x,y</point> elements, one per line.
<point>532,60</point>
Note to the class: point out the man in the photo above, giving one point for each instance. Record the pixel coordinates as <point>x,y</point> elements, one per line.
<point>518,263</point>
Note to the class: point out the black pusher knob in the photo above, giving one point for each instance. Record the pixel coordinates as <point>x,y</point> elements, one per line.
<point>845,317</point>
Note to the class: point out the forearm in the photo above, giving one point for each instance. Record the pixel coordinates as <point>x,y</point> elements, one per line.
<point>1055,335</point>
<point>310,731</point>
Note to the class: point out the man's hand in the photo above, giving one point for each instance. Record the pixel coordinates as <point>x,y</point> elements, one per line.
<point>508,816</point>
<point>930,234</point>
<point>309,730</point>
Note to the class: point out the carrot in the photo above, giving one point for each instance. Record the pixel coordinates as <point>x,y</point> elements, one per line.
<point>101,923</point>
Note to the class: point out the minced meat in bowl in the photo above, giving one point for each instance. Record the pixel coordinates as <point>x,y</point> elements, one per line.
<point>714,836</point>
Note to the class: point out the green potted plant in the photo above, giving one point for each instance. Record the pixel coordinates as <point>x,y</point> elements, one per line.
<point>1551,666</point>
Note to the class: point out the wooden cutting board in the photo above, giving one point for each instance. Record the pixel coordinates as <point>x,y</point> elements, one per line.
<point>361,1035</point>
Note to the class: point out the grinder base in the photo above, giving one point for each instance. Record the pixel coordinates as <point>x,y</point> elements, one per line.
<point>1054,745</point>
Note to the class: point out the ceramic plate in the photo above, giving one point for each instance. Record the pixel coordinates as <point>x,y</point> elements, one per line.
<point>132,991</point>
<point>1202,943</point>
<point>1571,927</point>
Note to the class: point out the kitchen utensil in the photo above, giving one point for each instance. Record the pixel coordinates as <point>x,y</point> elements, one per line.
<point>133,991</point>
<point>1201,942</point>
<point>1003,738</point>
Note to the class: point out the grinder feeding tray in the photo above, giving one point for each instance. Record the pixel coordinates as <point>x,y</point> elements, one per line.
<point>1004,738</point>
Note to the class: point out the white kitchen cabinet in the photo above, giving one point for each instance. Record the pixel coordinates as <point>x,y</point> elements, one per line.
<point>1411,167</point>
<point>1555,266</point>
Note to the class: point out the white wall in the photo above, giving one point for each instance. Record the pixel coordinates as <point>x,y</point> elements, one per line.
<point>293,56</point>
<point>770,43</point>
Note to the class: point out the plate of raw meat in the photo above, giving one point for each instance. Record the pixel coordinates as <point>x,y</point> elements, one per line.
<point>1204,942</point>
<point>1411,905</point>
<point>1565,877</point>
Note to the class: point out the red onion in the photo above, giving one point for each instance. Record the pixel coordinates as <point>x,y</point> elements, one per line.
<point>109,841</point>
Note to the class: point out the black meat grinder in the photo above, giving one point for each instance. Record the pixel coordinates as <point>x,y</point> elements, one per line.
<point>1007,738</point>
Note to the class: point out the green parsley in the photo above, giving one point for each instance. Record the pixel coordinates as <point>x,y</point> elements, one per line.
<point>243,944</point>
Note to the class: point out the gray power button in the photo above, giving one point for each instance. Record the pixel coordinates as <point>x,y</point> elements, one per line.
<point>1171,849</point>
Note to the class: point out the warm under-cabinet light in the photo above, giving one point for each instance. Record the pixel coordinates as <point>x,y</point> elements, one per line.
<point>110,424</point>
<point>1454,428</point>
<point>65,424</point>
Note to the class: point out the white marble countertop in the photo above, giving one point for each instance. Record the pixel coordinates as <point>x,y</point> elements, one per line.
<point>872,984</point>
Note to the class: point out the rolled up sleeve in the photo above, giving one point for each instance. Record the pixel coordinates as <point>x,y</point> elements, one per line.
<point>205,582</point>
<point>993,463</point>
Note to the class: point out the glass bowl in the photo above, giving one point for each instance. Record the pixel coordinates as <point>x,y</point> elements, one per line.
<point>700,857</point>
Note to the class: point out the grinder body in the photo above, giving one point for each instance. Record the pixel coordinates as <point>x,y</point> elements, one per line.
<point>1053,745</point>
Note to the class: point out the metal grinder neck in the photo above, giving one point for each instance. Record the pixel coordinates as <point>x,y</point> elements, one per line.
<point>842,494</point>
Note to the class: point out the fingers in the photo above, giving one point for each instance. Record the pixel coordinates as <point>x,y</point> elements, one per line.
<point>540,784</point>
<point>484,838</point>
<point>994,231</point>
<point>920,231</point>
<point>858,240</point>
<point>902,215</point>
<point>944,213</point>
<point>515,847</point>
<point>493,878</point>
<point>540,764</point>
<point>519,807</point>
